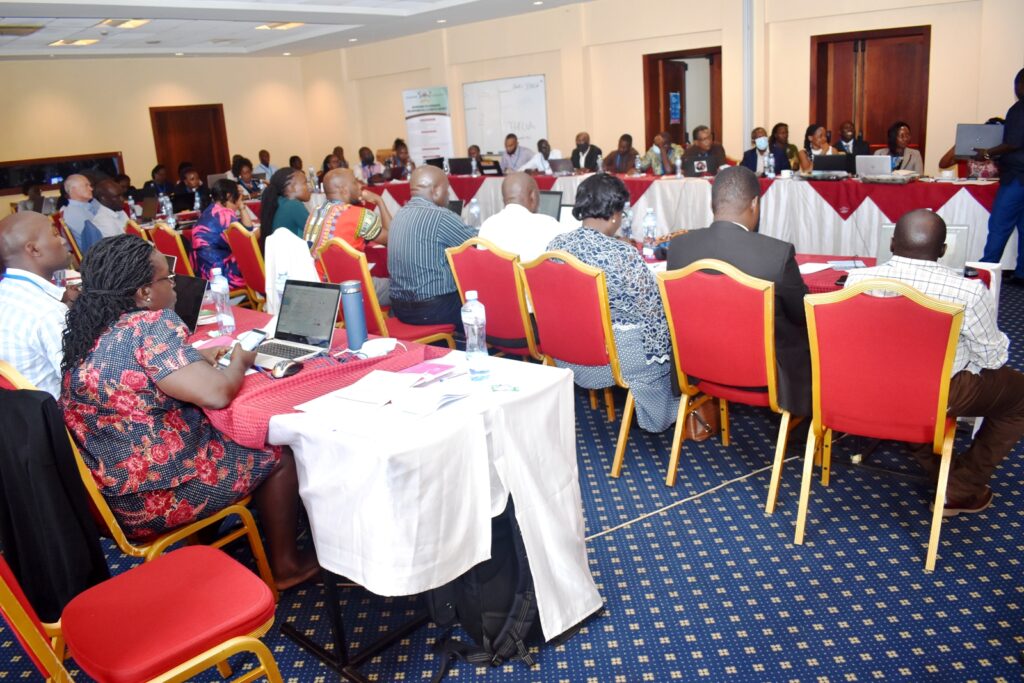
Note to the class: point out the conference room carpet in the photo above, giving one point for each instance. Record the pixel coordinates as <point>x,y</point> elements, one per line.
<point>699,584</point>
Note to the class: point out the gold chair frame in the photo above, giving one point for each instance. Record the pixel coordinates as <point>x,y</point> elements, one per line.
<point>256,300</point>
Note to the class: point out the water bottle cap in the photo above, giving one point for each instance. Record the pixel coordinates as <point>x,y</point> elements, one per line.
<point>471,295</point>
<point>351,287</point>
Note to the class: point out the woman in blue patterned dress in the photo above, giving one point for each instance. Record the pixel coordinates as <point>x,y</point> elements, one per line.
<point>638,319</point>
<point>133,392</point>
<point>208,242</point>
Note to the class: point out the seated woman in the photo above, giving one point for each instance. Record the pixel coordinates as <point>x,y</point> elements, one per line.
<point>815,144</point>
<point>638,319</point>
<point>133,395</point>
<point>399,165</point>
<point>241,168</point>
<point>780,138</point>
<point>208,242</point>
<point>904,158</point>
<point>283,204</point>
<point>331,162</point>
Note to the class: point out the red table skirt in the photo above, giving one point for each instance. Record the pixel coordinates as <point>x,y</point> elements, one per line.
<point>846,196</point>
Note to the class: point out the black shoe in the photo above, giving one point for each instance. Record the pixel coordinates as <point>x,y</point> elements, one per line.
<point>980,502</point>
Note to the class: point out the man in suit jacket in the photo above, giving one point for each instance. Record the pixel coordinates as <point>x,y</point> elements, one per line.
<point>733,238</point>
<point>754,158</point>
<point>850,142</point>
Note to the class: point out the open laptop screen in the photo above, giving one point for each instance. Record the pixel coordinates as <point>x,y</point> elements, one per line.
<point>308,313</point>
<point>190,291</point>
<point>550,203</point>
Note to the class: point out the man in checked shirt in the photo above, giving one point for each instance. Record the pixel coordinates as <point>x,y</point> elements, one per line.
<point>982,384</point>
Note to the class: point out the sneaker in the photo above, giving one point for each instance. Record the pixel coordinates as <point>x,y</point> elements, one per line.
<point>976,504</point>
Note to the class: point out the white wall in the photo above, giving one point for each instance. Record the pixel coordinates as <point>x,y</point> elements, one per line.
<point>698,93</point>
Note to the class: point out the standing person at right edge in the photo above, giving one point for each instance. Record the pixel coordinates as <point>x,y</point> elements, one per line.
<point>1008,209</point>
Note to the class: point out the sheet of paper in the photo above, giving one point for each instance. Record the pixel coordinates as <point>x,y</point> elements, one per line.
<point>846,265</point>
<point>658,266</point>
<point>810,268</point>
<point>376,388</point>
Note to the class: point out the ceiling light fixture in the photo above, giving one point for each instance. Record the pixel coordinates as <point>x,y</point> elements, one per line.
<point>353,40</point>
<point>286,54</point>
<point>18,29</point>
<point>538,2</point>
<point>279,26</point>
<point>81,42</point>
<point>179,54</point>
<point>442,21</point>
<point>124,23</point>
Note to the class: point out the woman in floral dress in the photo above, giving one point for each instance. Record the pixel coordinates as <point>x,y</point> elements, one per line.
<point>208,242</point>
<point>133,392</point>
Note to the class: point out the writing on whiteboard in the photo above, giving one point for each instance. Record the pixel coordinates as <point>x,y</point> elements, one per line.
<point>508,105</point>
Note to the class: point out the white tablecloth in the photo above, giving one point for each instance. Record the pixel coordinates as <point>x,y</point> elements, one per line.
<point>401,504</point>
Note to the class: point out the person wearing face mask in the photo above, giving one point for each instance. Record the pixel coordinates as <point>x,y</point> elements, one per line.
<point>585,155</point>
<point>754,157</point>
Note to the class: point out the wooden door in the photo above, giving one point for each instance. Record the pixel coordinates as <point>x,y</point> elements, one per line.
<point>191,133</point>
<point>664,74</point>
<point>872,78</point>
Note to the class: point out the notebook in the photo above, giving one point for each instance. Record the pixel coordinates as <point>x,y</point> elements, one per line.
<point>305,323</point>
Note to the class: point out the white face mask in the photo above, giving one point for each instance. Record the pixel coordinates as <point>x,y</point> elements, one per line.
<point>761,143</point>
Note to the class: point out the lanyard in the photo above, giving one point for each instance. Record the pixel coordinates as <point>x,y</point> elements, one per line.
<point>15,276</point>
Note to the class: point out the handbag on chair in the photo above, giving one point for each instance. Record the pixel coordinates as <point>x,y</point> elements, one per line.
<point>702,423</point>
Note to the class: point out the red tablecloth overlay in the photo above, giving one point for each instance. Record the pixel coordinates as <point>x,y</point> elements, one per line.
<point>544,182</point>
<point>399,191</point>
<point>845,196</point>
<point>247,419</point>
<point>825,280</point>
<point>637,185</point>
<point>465,187</point>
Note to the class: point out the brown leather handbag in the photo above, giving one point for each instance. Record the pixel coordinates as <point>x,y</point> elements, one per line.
<point>702,423</point>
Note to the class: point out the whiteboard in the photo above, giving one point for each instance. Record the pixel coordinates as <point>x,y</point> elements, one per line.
<point>507,105</point>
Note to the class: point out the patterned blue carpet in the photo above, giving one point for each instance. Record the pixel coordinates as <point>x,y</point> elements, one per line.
<point>700,585</point>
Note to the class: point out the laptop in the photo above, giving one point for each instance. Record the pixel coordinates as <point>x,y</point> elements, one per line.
<point>491,168</point>
<point>830,166</point>
<point>214,177</point>
<point>150,208</point>
<point>305,323</point>
<point>190,291</point>
<point>455,206</point>
<point>460,166</point>
<point>956,245</point>
<point>878,169</point>
<point>550,203</point>
<point>980,135</point>
<point>693,168</point>
<point>566,218</point>
<point>561,166</point>
<point>436,162</point>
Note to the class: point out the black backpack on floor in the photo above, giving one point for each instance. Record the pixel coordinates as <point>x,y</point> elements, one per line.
<point>494,602</point>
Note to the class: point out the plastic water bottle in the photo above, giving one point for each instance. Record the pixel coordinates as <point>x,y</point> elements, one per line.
<point>600,164</point>
<point>474,213</point>
<point>769,165</point>
<point>474,322</point>
<point>222,302</point>
<point>197,205</point>
<point>650,225</point>
<point>476,169</point>
<point>679,166</point>
<point>627,220</point>
<point>279,284</point>
<point>638,164</point>
<point>131,208</point>
<point>447,168</point>
<point>408,169</point>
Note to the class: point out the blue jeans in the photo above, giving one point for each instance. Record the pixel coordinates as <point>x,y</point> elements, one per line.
<point>1007,214</point>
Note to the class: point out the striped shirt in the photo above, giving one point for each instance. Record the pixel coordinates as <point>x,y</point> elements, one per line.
<point>32,321</point>
<point>981,344</point>
<point>418,236</point>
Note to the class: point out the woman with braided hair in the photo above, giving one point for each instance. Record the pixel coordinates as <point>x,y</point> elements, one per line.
<point>133,392</point>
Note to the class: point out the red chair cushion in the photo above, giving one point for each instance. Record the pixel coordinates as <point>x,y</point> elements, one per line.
<point>409,332</point>
<point>735,394</point>
<point>157,615</point>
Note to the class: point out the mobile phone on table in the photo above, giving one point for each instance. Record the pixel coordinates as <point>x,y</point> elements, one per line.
<point>249,341</point>
<point>841,282</point>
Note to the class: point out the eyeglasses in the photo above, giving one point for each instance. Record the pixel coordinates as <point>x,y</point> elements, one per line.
<point>169,278</point>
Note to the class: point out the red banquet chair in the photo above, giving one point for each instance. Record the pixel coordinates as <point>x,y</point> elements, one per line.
<point>165,620</point>
<point>722,324</point>
<point>906,338</point>
<point>246,251</point>
<point>340,262</point>
<point>480,265</point>
<point>574,323</point>
<point>133,228</point>
<point>168,242</point>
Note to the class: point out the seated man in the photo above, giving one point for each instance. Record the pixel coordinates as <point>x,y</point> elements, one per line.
<point>265,167</point>
<point>661,157</point>
<point>850,142</point>
<point>186,191</point>
<point>369,170</point>
<point>624,158</point>
<point>514,157</point>
<point>754,158</point>
<point>982,384</point>
<point>705,150</point>
<point>585,156</point>
<point>80,210</point>
<point>518,227</point>
<point>32,310</point>
<point>539,162</point>
<point>110,217</point>
<point>733,238</point>
<point>339,217</point>
<point>423,290</point>
<point>158,183</point>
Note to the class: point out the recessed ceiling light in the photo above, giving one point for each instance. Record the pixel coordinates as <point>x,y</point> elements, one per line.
<point>74,43</point>
<point>538,2</point>
<point>286,54</point>
<point>124,23</point>
<point>18,29</point>
<point>442,21</point>
<point>279,26</point>
<point>179,54</point>
<point>353,40</point>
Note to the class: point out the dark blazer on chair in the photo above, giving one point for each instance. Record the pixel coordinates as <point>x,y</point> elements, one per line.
<point>781,162</point>
<point>770,259</point>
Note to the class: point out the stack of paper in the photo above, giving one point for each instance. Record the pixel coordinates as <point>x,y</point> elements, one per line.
<point>420,392</point>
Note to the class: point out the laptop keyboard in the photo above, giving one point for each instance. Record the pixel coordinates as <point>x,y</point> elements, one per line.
<point>281,350</point>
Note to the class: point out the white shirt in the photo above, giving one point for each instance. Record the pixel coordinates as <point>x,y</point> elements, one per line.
<point>109,223</point>
<point>981,344</point>
<point>517,230</point>
<point>268,169</point>
<point>539,163</point>
<point>32,321</point>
